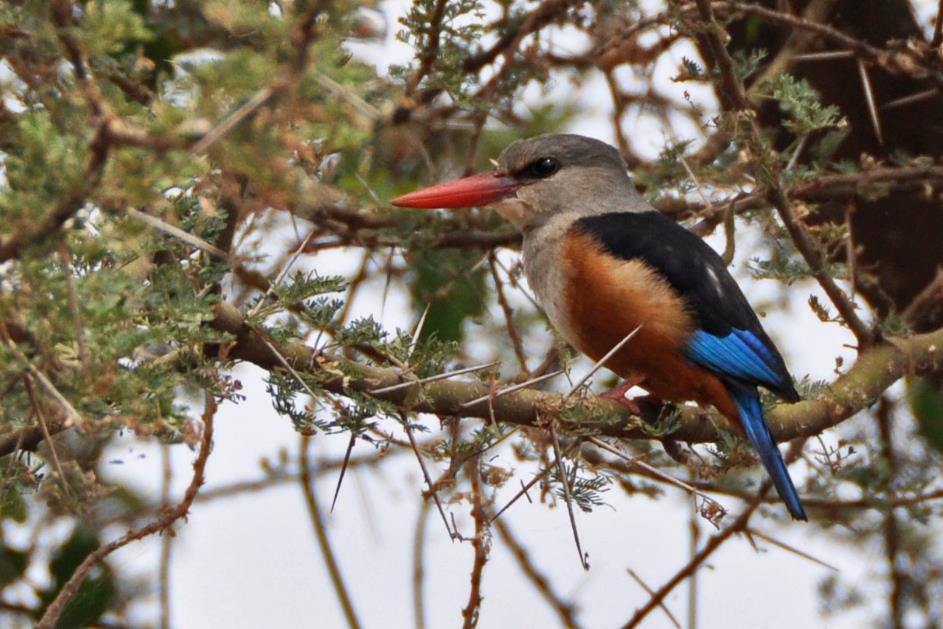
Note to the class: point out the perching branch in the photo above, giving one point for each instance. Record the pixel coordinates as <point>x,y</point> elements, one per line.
<point>876,369</point>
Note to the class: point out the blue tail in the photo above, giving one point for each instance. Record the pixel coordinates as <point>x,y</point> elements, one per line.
<point>751,415</point>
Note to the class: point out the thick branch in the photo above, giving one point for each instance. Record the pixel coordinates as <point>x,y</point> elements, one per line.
<point>876,369</point>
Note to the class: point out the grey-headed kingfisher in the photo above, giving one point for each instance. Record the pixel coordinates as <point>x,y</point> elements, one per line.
<point>602,261</point>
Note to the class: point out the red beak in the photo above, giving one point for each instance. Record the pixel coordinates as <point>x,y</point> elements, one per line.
<point>473,191</point>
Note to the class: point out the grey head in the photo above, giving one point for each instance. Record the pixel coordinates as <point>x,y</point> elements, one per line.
<point>564,173</point>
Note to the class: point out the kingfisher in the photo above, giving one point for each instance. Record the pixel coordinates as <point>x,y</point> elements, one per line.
<point>603,262</point>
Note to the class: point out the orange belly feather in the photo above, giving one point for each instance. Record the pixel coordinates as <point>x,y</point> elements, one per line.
<point>607,298</point>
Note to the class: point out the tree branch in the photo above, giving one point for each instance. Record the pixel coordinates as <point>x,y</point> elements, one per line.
<point>876,369</point>
<point>50,617</point>
<point>767,169</point>
<point>314,512</point>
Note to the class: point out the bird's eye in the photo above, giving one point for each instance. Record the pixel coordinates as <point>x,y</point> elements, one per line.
<point>543,167</point>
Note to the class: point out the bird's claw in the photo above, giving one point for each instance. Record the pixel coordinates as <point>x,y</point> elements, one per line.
<point>618,393</point>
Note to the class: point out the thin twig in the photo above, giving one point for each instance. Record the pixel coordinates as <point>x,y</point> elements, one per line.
<point>430,50</point>
<point>307,487</point>
<point>656,472</point>
<point>515,337</point>
<point>472,611</point>
<point>37,408</point>
<point>419,575</point>
<point>661,604</point>
<point>513,281</point>
<point>166,541</point>
<point>72,415</point>
<point>730,236</point>
<point>167,518</point>
<point>891,528</point>
<point>694,538</point>
<point>67,273</point>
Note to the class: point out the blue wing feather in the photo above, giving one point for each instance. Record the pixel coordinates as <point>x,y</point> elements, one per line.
<point>739,354</point>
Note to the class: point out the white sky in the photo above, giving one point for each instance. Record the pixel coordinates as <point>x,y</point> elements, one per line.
<point>252,561</point>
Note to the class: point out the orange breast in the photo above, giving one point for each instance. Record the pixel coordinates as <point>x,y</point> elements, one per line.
<point>607,298</point>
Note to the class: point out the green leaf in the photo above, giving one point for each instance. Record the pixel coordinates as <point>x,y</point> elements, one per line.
<point>72,553</point>
<point>98,590</point>
<point>108,27</point>
<point>801,102</point>
<point>926,402</point>
<point>446,281</point>
<point>12,564</point>
<point>12,505</point>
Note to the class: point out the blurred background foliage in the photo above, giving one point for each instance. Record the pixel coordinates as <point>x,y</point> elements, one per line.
<point>161,158</point>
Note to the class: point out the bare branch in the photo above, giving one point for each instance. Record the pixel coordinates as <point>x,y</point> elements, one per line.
<point>671,617</point>
<point>735,95</point>
<point>314,512</point>
<point>712,544</point>
<point>480,542</point>
<point>162,523</point>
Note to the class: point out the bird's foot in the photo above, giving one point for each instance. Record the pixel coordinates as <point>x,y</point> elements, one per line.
<point>618,393</point>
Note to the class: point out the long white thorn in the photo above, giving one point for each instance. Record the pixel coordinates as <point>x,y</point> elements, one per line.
<point>561,471</point>
<point>439,376</point>
<point>912,98</point>
<point>869,98</point>
<point>176,232</point>
<point>512,389</point>
<point>415,340</point>
<point>602,361</point>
